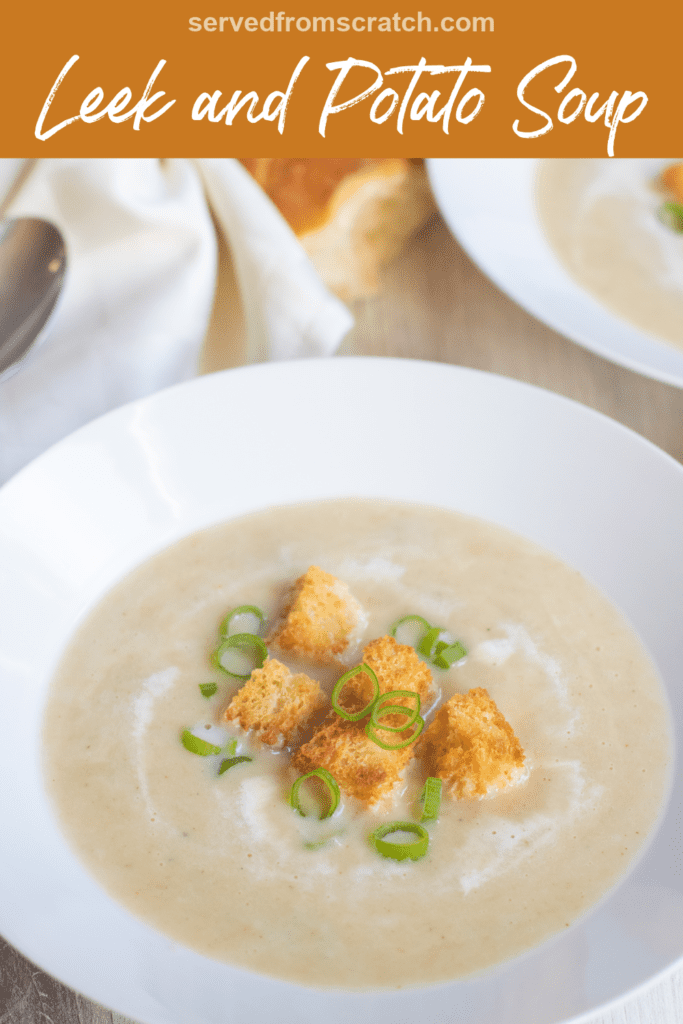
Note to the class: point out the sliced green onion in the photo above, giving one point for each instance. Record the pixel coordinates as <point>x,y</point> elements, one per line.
<point>409,618</point>
<point>231,748</point>
<point>380,709</point>
<point>393,709</point>
<point>341,683</point>
<point>446,654</point>
<point>430,798</point>
<point>671,214</point>
<point>197,746</point>
<point>371,734</point>
<point>428,640</point>
<point>400,851</point>
<point>244,609</point>
<point>317,844</point>
<point>208,689</point>
<point>330,785</point>
<point>241,643</point>
<point>439,652</point>
<point>231,761</point>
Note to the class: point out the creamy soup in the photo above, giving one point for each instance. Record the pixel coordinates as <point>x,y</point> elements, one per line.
<point>224,865</point>
<point>601,218</point>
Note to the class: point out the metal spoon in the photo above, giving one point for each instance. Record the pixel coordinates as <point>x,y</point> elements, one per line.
<point>32,267</point>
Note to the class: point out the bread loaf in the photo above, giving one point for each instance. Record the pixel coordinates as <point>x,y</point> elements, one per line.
<point>351,215</point>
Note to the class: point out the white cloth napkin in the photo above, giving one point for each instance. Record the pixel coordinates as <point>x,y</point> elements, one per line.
<point>140,285</point>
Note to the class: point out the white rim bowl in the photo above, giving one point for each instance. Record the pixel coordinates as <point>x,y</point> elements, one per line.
<point>94,506</point>
<point>490,207</point>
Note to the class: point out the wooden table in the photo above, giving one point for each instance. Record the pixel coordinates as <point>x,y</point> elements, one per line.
<point>435,304</point>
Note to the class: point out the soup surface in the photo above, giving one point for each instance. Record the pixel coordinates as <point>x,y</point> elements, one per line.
<point>221,863</point>
<point>601,218</point>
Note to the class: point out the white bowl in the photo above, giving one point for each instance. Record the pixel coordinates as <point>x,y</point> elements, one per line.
<point>490,207</point>
<point>118,490</point>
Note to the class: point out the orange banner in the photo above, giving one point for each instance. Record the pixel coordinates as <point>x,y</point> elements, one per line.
<point>216,78</point>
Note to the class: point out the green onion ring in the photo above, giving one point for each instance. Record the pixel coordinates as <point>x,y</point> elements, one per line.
<point>429,646</point>
<point>430,798</point>
<point>197,746</point>
<point>317,844</point>
<point>230,762</point>
<point>332,789</point>
<point>241,640</point>
<point>341,683</point>
<point>371,734</point>
<point>428,640</point>
<point>445,654</point>
<point>393,709</point>
<point>244,609</point>
<point>380,709</point>
<point>399,851</point>
<point>409,618</point>
<point>671,214</point>
<point>208,689</point>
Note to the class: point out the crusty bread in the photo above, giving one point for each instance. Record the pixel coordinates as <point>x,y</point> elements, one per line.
<point>472,748</point>
<point>320,619</point>
<point>274,704</point>
<point>351,215</point>
<point>671,180</point>
<point>302,187</point>
<point>361,768</point>
<point>369,219</point>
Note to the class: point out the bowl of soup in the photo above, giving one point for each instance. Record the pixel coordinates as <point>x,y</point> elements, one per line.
<point>580,244</point>
<point>543,540</point>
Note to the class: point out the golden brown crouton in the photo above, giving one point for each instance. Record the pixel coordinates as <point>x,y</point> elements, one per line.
<point>361,768</point>
<point>398,667</point>
<point>320,619</point>
<point>472,748</point>
<point>274,704</point>
<point>672,180</point>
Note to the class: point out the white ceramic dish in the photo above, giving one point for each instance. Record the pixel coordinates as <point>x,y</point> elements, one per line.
<point>129,484</point>
<point>490,207</point>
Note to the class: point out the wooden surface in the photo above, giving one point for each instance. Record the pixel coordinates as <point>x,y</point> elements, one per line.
<point>436,305</point>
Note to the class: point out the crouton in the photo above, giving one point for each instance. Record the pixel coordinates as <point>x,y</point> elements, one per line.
<point>671,179</point>
<point>321,619</point>
<point>472,748</point>
<point>274,704</point>
<point>361,768</point>
<point>398,667</point>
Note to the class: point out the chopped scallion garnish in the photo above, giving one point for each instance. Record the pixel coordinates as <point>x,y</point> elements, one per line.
<point>231,761</point>
<point>445,654</point>
<point>441,653</point>
<point>244,609</point>
<point>330,785</point>
<point>408,619</point>
<point>400,851</point>
<point>671,214</point>
<point>341,683</point>
<point>427,642</point>
<point>243,645</point>
<point>197,746</point>
<point>317,844</point>
<point>430,798</point>
<point>208,689</point>
<point>380,709</point>
<point>371,734</point>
